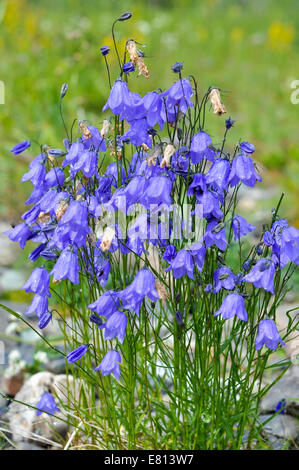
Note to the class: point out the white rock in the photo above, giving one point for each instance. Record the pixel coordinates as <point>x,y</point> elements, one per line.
<point>24,424</point>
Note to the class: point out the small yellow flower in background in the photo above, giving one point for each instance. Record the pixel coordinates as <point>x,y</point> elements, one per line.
<point>280,36</point>
<point>237,34</point>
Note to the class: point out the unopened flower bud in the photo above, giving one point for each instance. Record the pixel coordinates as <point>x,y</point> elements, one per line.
<point>216,102</point>
<point>124,16</point>
<point>63,90</point>
<point>104,50</point>
<point>108,235</point>
<point>177,67</point>
<point>168,152</point>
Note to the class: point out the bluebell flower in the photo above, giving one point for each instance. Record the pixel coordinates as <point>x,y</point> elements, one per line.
<point>138,133</point>
<point>215,235</point>
<point>107,304</point>
<point>110,364</point>
<point>169,253</point>
<point>35,254</point>
<point>67,266</point>
<point>38,282</point>
<point>116,326</point>
<point>179,95</point>
<point>242,169</point>
<point>19,148</point>
<point>39,305</point>
<point>77,353</point>
<point>232,305</point>
<point>198,185</point>
<point>142,286</point>
<point>47,404</point>
<point>290,243</point>
<point>218,174</point>
<point>116,173</point>
<point>157,192</point>
<point>36,175</point>
<point>207,205</point>
<point>262,275</point>
<point>224,278</point>
<point>73,154</point>
<point>268,335</point>
<point>241,227</point>
<point>200,148</point>
<point>20,233</point>
<point>118,98</point>
<point>87,163</point>
<point>55,177</point>
<point>153,104</point>
<point>182,264</point>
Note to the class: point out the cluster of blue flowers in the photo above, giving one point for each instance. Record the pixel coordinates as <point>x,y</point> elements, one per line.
<point>70,199</point>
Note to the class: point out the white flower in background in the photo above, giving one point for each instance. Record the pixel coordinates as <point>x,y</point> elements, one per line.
<point>41,356</point>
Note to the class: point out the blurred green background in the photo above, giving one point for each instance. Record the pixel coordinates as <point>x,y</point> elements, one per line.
<point>248,48</point>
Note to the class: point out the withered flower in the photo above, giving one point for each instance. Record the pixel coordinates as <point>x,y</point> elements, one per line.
<point>168,152</point>
<point>216,102</point>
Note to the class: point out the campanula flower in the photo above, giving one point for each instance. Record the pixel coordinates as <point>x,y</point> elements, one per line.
<point>107,304</point>
<point>241,227</point>
<point>36,175</point>
<point>179,94</point>
<point>229,123</point>
<point>182,264</point>
<point>200,148</point>
<point>232,305</point>
<point>268,335</point>
<point>38,282</point>
<point>77,353</point>
<point>67,266</point>
<point>281,406</point>
<point>73,154</point>
<point>218,174</point>
<point>243,170</point>
<point>154,105</point>
<point>47,404</point>
<point>169,253</point>
<point>290,243</point>
<point>118,98</point>
<point>208,205</point>
<point>224,278</point>
<point>87,163</point>
<point>116,326</point>
<point>104,50</point>
<point>39,305</point>
<point>215,235</point>
<point>19,148</point>
<point>55,177</point>
<point>262,275</point>
<point>110,364</point>
<point>198,185</point>
<point>142,286</point>
<point>20,233</point>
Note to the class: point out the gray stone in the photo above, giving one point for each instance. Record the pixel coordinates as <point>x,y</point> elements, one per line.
<point>280,429</point>
<point>11,279</point>
<point>24,424</point>
<point>288,388</point>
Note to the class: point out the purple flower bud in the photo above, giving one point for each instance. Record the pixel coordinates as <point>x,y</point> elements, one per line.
<point>63,90</point>
<point>177,67</point>
<point>169,253</point>
<point>105,50</point>
<point>75,355</point>
<point>128,67</point>
<point>229,123</point>
<point>179,319</point>
<point>247,148</point>
<point>281,406</point>
<point>47,404</point>
<point>94,318</point>
<point>44,320</point>
<point>124,16</point>
<point>19,148</point>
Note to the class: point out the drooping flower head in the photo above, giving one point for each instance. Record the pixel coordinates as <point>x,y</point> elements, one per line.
<point>47,404</point>
<point>232,305</point>
<point>110,364</point>
<point>268,335</point>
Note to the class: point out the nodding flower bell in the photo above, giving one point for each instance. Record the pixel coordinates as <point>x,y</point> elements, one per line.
<point>268,335</point>
<point>108,236</point>
<point>216,102</point>
<point>110,364</point>
<point>47,404</point>
<point>168,152</point>
<point>232,305</point>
